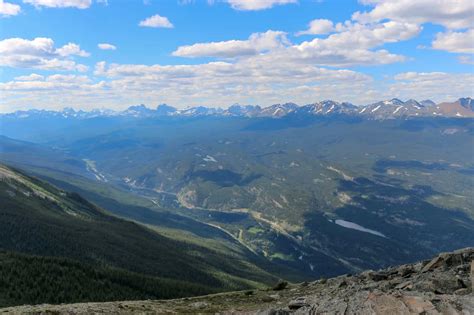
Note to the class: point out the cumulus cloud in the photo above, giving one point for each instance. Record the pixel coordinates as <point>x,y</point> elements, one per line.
<point>440,86</point>
<point>453,14</point>
<point>255,44</point>
<point>456,42</point>
<point>40,53</point>
<point>9,9</point>
<point>353,44</point>
<point>318,27</point>
<point>106,46</point>
<point>357,36</point>
<point>71,49</point>
<point>79,4</point>
<point>156,21</point>
<point>253,5</point>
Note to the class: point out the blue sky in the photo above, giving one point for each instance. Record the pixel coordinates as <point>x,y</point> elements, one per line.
<point>216,53</point>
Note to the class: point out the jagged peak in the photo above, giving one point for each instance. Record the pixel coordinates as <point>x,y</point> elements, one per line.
<point>413,102</point>
<point>393,101</point>
<point>427,103</point>
<point>379,110</point>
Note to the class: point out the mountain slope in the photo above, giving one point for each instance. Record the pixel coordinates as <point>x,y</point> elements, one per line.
<point>461,108</point>
<point>27,279</point>
<point>37,218</point>
<point>158,214</point>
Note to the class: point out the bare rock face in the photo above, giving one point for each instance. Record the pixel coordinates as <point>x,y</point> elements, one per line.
<point>472,274</point>
<point>442,285</point>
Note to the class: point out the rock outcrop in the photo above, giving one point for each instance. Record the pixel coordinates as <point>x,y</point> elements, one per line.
<point>442,285</point>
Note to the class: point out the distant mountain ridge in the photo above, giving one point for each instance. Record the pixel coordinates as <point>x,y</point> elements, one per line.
<point>388,109</point>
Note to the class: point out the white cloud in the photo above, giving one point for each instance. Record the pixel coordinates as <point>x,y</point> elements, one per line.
<point>106,46</point>
<point>253,5</point>
<point>9,9</point>
<point>79,4</point>
<point>255,44</point>
<point>456,42</point>
<point>30,77</point>
<point>318,27</point>
<point>439,86</point>
<point>68,78</point>
<point>453,14</point>
<point>354,44</point>
<point>71,49</point>
<point>52,86</point>
<point>156,21</point>
<point>40,53</point>
<point>356,36</point>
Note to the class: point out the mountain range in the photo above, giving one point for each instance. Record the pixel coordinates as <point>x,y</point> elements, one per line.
<point>388,109</point>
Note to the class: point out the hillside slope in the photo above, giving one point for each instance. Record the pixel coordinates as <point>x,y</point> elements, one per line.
<point>27,279</point>
<point>37,218</point>
<point>442,285</point>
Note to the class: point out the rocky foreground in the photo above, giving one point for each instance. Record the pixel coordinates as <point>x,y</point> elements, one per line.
<point>442,285</point>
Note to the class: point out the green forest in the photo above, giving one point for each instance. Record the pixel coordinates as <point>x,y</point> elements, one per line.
<point>28,279</point>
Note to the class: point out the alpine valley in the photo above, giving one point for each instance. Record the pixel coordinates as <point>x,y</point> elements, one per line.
<point>165,203</point>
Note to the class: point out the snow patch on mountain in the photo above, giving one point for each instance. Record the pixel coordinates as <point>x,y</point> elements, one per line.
<point>355,226</point>
<point>209,158</point>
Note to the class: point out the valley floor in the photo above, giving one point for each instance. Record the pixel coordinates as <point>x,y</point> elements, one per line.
<point>442,285</point>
